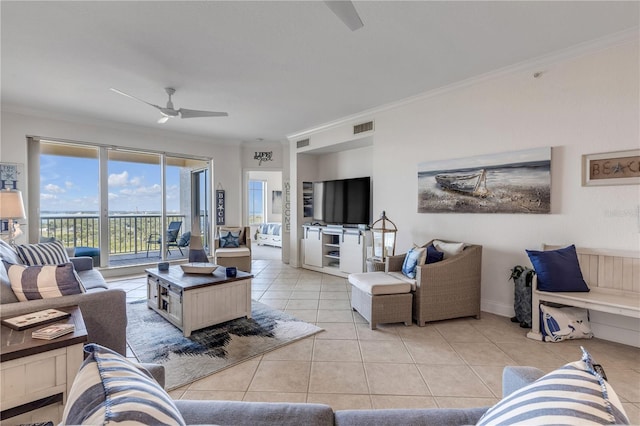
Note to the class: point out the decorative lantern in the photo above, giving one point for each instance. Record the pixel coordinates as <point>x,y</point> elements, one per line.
<point>384,238</point>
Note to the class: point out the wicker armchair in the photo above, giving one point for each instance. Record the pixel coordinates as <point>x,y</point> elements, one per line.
<point>446,289</point>
<point>240,257</point>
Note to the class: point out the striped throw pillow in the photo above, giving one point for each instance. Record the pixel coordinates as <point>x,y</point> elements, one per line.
<point>52,253</point>
<point>43,281</point>
<point>109,389</point>
<point>572,395</point>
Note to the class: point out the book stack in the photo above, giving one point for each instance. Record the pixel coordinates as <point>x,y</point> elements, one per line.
<point>52,331</point>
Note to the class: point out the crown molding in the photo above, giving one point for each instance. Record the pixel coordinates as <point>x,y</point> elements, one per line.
<point>616,39</point>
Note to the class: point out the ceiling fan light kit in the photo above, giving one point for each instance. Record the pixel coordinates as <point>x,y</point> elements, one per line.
<point>170,112</point>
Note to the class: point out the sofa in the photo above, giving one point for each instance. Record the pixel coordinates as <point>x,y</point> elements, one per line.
<point>529,397</point>
<point>103,310</point>
<point>269,234</point>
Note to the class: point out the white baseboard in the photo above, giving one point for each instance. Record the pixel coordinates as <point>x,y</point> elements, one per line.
<point>497,308</point>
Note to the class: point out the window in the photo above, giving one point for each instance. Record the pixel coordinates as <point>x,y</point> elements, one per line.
<point>257,204</point>
<point>118,203</point>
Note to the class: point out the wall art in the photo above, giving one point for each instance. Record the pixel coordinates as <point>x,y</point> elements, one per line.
<point>509,182</point>
<point>220,206</point>
<point>287,206</point>
<point>611,168</point>
<point>263,156</point>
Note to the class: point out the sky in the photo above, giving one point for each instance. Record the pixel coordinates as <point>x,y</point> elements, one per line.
<point>70,184</point>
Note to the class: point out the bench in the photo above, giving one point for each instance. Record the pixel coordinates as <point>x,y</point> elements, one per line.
<point>613,277</point>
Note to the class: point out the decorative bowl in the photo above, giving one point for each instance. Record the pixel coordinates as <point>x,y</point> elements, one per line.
<point>198,268</point>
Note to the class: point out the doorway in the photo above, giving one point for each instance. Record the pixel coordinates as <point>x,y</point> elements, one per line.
<point>263,213</point>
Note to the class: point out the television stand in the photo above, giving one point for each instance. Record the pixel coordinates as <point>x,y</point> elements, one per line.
<point>334,249</point>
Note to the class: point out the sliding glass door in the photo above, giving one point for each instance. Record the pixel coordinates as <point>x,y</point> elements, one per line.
<point>122,207</point>
<point>69,199</point>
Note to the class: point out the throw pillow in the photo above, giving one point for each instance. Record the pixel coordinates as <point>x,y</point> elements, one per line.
<point>433,255</point>
<point>449,249</point>
<point>238,229</point>
<point>43,281</point>
<point>412,260</point>
<point>558,270</point>
<point>229,239</point>
<point>575,394</point>
<point>52,253</point>
<point>564,323</point>
<point>109,389</point>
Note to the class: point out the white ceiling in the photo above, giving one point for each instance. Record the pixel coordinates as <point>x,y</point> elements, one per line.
<point>275,67</point>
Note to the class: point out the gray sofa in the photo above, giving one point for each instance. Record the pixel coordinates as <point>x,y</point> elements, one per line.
<point>282,414</point>
<point>103,310</point>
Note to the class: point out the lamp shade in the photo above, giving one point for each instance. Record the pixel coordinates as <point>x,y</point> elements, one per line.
<point>11,205</point>
<point>384,238</point>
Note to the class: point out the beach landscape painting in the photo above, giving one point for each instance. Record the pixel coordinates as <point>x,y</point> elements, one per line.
<point>509,182</point>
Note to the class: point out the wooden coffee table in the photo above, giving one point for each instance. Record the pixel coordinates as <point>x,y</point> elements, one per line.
<point>195,301</point>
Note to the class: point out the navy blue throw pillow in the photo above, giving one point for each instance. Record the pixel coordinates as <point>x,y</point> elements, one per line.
<point>558,270</point>
<point>433,255</point>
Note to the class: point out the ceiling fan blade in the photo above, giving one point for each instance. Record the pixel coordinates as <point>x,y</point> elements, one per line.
<point>194,113</point>
<point>163,119</point>
<point>346,11</point>
<point>133,97</point>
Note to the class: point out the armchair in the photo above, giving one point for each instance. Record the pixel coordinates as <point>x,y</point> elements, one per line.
<point>446,289</point>
<point>228,253</point>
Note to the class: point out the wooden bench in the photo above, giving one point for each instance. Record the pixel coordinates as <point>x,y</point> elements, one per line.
<point>613,277</point>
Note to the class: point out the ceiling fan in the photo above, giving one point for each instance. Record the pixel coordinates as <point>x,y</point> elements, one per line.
<point>170,112</point>
<point>346,11</point>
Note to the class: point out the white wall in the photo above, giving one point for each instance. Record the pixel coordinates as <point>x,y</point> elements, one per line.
<point>348,164</point>
<point>581,105</point>
<point>226,154</point>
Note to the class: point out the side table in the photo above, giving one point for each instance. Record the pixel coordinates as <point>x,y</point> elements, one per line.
<point>36,375</point>
<point>375,265</point>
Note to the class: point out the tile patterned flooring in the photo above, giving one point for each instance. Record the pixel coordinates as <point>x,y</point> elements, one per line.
<point>455,363</point>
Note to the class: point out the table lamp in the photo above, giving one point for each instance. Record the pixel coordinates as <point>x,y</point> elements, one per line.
<point>11,208</point>
<point>384,238</point>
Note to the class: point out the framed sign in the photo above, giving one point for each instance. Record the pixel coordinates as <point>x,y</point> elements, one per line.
<point>611,168</point>
<point>220,206</point>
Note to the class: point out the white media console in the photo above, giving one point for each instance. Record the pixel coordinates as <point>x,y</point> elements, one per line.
<point>334,250</point>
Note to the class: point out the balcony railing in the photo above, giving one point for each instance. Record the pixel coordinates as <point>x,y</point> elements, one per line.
<point>128,234</point>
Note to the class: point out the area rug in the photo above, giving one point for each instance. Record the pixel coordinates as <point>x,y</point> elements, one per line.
<point>206,351</point>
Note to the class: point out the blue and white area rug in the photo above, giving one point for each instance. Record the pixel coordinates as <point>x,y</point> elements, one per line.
<point>206,351</point>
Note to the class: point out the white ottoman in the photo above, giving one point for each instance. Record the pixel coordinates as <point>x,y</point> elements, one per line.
<point>381,297</point>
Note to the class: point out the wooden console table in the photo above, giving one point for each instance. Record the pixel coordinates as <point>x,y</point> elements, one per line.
<point>36,375</point>
<point>195,301</point>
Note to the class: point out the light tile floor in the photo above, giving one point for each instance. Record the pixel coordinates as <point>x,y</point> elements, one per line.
<point>455,363</point>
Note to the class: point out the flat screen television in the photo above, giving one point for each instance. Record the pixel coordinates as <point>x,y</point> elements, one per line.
<point>343,201</point>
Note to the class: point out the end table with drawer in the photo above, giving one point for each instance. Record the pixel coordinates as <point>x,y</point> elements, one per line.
<point>36,375</point>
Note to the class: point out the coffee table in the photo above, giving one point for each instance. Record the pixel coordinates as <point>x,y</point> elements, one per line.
<point>194,301</point>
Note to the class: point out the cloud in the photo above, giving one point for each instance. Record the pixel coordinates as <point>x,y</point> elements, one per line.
<point>136,181</point>
<point>142,190</point>
<point>68,184</point>
<point>53,188</point>
<point>47,197</point>
<point>113,196</point>
<point>121,179</point>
